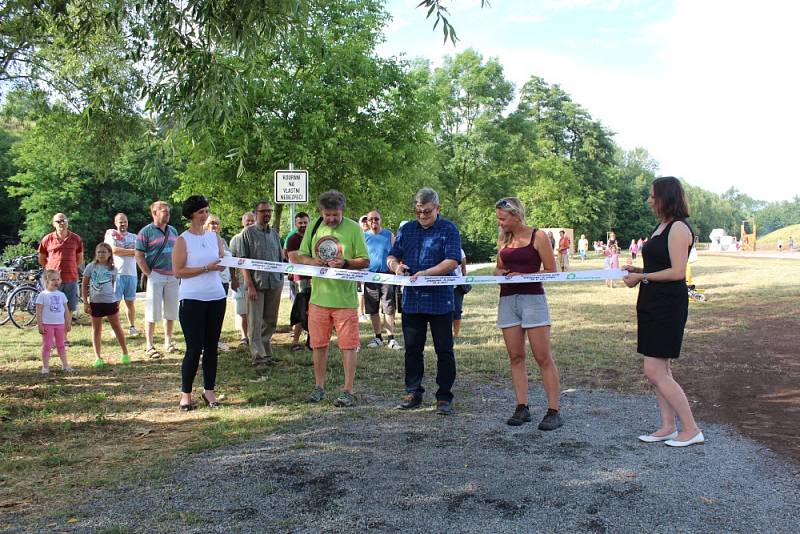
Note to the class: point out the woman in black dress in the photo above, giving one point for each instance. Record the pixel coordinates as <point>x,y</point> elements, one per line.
<point>662,308</point>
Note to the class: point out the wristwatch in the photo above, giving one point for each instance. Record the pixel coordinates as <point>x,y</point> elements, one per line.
<point>644,279</point>
<point>345,264</point>
<point>205,268</point>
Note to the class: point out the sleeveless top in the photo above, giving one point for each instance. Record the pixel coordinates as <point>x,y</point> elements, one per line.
<point>201,250</point>
<point>522,260</point>
<point>655,253</point>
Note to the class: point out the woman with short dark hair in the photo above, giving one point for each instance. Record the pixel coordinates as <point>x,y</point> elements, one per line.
<point>662,309</point>
<point>195,260</point>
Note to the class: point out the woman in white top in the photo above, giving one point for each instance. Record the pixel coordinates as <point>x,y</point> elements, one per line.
<point>195,260</point>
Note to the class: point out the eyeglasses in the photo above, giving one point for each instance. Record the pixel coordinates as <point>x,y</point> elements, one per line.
<point>374,219</point>
<point>266,210</point>
<point>213,223</point>
<point>61,221</point>
<point>425,212</point>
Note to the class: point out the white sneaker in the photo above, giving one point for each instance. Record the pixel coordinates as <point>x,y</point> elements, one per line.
<point>132,332</point>
<point>45,370</point>
<point>375,343</point>
<point>363,318</point>
<point>394,345</point>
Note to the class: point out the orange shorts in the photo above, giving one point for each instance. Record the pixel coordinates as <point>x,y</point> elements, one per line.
<point>322,321</point>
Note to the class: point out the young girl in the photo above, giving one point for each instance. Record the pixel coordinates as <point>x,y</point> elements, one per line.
<point>100,300</point>
<point>52,316</point>
<point>612,261</point>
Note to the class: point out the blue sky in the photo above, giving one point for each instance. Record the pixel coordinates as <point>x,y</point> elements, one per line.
<point>708,87</point>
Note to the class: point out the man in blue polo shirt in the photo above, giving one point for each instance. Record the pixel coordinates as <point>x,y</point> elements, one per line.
<point>428,246</point>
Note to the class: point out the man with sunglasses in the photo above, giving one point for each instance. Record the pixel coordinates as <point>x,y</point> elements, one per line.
<point>260,242</point>
<point>62,250</point>
<point>380,297</point>
<point>428,246</point>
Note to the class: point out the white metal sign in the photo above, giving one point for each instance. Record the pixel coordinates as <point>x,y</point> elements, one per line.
<point>291,186</point>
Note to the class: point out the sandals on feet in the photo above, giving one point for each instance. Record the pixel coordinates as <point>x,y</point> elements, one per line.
<point>172,348</point>
<point>297,347</point>
<point>153,353</point>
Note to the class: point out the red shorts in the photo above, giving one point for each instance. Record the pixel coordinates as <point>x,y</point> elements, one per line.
<point>322,321</point>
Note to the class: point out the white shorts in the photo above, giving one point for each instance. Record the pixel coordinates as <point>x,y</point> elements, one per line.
<point>240,299</point>
<point>528,311</point>
<point>160,298</point>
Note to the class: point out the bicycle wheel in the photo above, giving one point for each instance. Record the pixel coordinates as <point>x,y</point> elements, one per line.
<point>22,306</point>
<point>5,291</point>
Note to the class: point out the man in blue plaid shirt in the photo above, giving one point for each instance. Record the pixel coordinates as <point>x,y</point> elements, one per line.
<point>428,246</point>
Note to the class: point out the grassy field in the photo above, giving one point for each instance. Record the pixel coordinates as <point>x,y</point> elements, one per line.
<point>64,433</point>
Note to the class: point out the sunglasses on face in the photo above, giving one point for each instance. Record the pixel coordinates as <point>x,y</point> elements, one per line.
<point>374,219</point>
<point>61,221</point>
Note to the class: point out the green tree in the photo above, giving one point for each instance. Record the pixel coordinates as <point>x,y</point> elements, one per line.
<point>325,102</point>
<point>89,171</point>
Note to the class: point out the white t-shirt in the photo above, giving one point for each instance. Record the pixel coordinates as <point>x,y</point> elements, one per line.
<point>583,244</point>
<point>126,265</point>
<point>54,304</point>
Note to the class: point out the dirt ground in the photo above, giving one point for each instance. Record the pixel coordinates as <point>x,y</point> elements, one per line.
<point>752,384</point>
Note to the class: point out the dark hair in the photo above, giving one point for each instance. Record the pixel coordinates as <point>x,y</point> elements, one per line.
<point>300,215</point>
<point>257,204</point>
<point>192,204</point>
<point>670,199</point>
<point>331,200</point>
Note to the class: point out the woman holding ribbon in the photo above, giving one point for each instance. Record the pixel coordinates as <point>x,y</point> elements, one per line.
<point>662,309</point>
<point>195,260</point>
<point>523,310</point>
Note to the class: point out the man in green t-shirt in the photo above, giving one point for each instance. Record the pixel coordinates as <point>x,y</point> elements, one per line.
<point>338,242</point>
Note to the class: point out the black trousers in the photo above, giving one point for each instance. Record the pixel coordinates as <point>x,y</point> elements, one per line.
<point>415,331</point>
<point>201,322</point>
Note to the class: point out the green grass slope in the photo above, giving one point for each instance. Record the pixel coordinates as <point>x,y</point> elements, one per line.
<point>770,240</point>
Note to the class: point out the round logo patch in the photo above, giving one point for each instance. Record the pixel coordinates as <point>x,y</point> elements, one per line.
<point>328,248</point>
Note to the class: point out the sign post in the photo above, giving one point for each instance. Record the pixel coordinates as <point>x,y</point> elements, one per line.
<point>291,186</point>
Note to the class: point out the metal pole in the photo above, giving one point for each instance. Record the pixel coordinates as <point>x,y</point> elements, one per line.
<point>291,206</point>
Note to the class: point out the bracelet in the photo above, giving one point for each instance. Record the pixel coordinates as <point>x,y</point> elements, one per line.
<point>205,268</point>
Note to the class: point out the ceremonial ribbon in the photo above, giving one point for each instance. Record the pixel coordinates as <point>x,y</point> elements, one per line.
<point>393,279</point>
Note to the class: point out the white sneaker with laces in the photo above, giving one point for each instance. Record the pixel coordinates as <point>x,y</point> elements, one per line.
<point>394,345</point>
<point>375,343</point>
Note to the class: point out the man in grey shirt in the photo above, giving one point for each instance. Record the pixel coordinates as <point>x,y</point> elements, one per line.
<point>260,242</point>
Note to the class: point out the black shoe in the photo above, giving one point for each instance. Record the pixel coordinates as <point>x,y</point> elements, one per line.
<point>551,420</point>
<point>410,402</point>
<point>186,407</point>
<point>444,407</point>
<point>521,415</point>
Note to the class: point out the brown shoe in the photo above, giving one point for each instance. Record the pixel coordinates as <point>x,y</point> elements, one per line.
<point>410,402</point>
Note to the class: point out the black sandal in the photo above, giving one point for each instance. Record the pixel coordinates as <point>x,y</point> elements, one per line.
<point>213,405</point>
<point>186,407</point>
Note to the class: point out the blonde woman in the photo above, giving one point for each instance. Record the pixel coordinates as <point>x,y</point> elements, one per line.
<point>213,224</point>
<point>523,311</point>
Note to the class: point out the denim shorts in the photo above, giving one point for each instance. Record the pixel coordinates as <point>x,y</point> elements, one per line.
<point>528,311</point>
<point>126,287</point>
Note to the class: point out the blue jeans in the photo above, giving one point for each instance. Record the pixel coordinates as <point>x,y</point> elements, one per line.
<point>415,330</point>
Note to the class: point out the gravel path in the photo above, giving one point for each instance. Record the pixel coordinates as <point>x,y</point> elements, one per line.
<point>375,468</point>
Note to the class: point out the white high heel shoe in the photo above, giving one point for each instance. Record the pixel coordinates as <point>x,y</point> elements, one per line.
<point>655,439</point>
<point>698,439</point>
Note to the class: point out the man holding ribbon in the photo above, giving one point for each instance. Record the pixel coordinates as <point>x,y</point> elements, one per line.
<point>260,242</point>
<point>428,246</point>
<point>337,242</point>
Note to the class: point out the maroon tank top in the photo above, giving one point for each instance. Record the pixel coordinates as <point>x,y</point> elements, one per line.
<point>522,260</point>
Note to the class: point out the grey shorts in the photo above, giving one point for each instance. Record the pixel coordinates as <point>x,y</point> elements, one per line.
<point>528,311</point>
<point>379,294</point>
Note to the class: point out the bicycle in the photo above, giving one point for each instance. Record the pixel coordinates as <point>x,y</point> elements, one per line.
<point>698,295</point>
<point>12,276</point>
<point>21,302</point>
